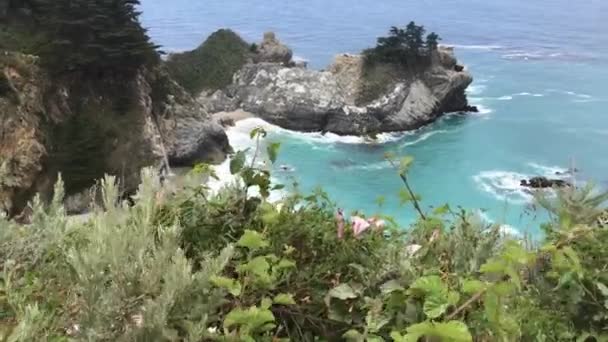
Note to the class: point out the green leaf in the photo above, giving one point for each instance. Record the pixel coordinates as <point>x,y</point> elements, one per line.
<point>273,151</point>
<point>353,336</point>
<point>227,283</point>
<point>237,162</point>
<point>252,240</point>
<point>258,132</point>
<point>405,197</point>
<point>472,286</point>
<point>454,331</point>
<point>405,164</point>
<point>435,306</point>
<point>254,319</point>
<point>285,263</point>
<point>269,214</point>
<point>493,266</point>
<point>437,297</point>
<point>259,268</point>
<point>266,303</point>
<point>444,209</point>
<point>342,292</point>
<point>390,287</point>
<point>603,289</point>
<point>284,299</point>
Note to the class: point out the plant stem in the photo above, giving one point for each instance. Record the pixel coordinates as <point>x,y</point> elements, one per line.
<point>409,189</point>
<point>466,304</point>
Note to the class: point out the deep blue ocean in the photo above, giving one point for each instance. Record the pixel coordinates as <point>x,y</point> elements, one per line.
<point>541,75</point>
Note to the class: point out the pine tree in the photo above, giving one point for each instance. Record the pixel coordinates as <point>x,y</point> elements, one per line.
<point>432,41</point>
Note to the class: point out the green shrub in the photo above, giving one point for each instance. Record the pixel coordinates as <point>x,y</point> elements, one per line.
<point>211,65</point>
<point>192,266</point>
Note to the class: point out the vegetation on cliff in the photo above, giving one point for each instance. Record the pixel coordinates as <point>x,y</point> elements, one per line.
<point>88,37</point>
<point>402,53</point>
<point>211,65</point>
<point>191,266</point>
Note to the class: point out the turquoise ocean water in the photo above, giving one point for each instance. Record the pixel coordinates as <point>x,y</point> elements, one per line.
<point>541,74</point>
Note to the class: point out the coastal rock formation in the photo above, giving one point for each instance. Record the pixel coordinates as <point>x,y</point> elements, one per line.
<point>83,131</point>
<point>310,100</point>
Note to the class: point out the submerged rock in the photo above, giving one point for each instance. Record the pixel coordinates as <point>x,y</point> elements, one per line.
<point>543,183</point>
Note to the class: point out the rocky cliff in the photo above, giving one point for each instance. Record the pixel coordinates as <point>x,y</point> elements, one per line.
<point>85,129</point>
<point>296,98</point>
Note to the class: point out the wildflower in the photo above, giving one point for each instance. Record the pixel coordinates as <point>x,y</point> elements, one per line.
<point>360,225</point>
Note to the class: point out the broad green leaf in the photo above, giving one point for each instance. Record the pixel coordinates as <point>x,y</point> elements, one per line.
<point>429,285</point>
<point>229,284</point>
<point>453,297</point>
<point>493,266</point>
<point>285,263</point>
<point>472,286</point>
<point>435,306</point>
<point>391,286</point>
<point>343,292</point>
<point>353,336</point>
<point>269,214</point>
<point>252,240</point>
<point>254,319</point>
<point>259,268</point>
<point>284,299</point>
<point>266,303</point>
<point>237,162</point>
<point>453,331</point>
<point>273,151</point>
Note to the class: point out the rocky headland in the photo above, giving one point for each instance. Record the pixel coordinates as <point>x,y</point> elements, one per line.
<point>275,88</point>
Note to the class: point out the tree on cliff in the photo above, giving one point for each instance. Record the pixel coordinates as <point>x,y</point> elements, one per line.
<point>406,47</point>
<point>93,37</point>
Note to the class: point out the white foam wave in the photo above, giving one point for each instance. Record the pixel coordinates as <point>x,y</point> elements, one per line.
<point>504,186</point>
<point>490,47</point>
<point>476,89</point>
<point>483,110</point>
<point>547,171</point>
<point>505,98</point>
<point>423,137</point>
<point>529,94</point>
<point>505,229</point>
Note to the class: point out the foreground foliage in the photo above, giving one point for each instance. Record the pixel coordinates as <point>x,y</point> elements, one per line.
<point>192,266</point>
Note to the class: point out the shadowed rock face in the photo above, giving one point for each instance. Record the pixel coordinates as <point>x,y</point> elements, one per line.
<point>55,126</point>
<point>309,100</point>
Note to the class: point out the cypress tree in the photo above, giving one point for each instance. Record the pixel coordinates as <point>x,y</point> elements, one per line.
<point>93,37</point>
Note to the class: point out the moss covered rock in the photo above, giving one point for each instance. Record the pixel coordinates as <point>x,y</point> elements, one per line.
<point>211,65</point>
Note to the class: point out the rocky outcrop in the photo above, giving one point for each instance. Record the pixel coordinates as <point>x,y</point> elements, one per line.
<point>309,100</point>
<point>84,130</point>
<point>543,183</point>
<point>271,50</point>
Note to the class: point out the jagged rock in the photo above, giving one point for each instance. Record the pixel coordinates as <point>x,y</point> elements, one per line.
<point>271,50</point>
<point>310,100</point>
<point>543,183</point>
